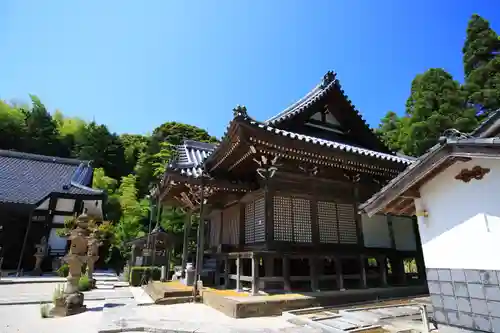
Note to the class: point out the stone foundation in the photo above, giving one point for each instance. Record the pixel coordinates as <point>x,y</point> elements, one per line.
<point>466,298</point>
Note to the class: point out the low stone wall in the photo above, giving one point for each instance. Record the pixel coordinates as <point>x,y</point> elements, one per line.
<point>259,306</point>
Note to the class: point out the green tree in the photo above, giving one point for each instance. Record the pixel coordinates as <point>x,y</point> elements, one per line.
<point>103,182</point>
<point>134,145</point>
<point>389,131</point>
<point>133,211</point>
<point>436,103</point>
<point>42,131</point>
<point>103,148</point>
<point>481,59</point>
<point>165,137</point>
<point>12,127</point>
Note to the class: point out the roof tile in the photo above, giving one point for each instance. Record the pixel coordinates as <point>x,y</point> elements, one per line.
<point>29,178</point>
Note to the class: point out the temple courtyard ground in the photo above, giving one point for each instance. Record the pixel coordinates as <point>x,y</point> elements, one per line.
<point>116,307</point>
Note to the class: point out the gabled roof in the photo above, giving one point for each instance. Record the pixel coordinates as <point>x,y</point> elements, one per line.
<point>443,154</point>
<point>490,126</point>
<point>29,178</point>
<point>329,81</point>
<point>329,84</point>
<point>190,156</point>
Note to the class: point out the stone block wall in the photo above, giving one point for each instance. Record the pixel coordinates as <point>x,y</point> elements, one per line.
<point>466,298</point>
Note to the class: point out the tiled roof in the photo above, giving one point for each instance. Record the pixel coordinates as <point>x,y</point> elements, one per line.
<point>190,156</point>
<point>29,178</point>
<point>412,172</point>
<point>489,124</point>
<point>334,144</point>
<point>304,103</point>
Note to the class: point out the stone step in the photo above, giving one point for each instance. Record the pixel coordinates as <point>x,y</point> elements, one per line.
<point>176,300</point>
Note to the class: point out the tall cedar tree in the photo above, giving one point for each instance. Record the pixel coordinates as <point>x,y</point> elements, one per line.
<point>436,104</point>
<point>481,58</point>
<point>42,131</point>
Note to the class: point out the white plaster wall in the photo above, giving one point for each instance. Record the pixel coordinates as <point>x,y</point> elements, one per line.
<point>44,205</point>
<point>65,205</point>
<point>59,219</point>
<point>404,234</point>
<point>462,229</point>
<point>56,242</point>
<point>376,231</point>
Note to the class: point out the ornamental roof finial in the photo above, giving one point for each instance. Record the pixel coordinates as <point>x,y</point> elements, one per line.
<point>328,78</point>
<point>240,110</point>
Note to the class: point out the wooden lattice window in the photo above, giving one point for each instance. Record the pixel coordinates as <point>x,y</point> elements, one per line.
<point>302,227</point>
<point>283,226</point>
<point>327,222</point>
<point>255,224</point>
<point>260,220</point>
<point>347,224</point>
<point>292,220</point>
<point>249,223</point>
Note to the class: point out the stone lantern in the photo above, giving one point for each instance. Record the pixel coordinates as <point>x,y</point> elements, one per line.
<point>71,302</point>
<point>92,255</point>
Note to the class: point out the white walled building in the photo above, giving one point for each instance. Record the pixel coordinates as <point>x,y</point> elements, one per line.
<point>453,190</point>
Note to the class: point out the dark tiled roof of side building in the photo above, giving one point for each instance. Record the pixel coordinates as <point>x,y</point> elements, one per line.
<point>190,156</point>
<point>30,178</point>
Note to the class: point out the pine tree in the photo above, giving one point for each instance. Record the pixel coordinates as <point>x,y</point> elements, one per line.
<point>481,58</point>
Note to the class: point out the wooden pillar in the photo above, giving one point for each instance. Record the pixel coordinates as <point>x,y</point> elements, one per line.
<point>313,268</point>
<point>382,265</point>
<point>338,273</point>
<point>401,270</point>
<point>255,275</point>
<point>269,208</point>
<point>217,272</point>
<point>187,228</point>
<point>286,274</point>
<point>226,273</point>
<point>419,258</point>
<point>169,253</point>
<point>238,273</point>
<point>364,280</point>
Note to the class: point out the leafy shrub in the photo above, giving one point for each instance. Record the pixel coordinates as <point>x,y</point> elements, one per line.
<point>63,271</point>
<point>140,275</point>
<point>84,283</point>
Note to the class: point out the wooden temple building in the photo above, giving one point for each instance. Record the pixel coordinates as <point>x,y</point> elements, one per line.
<point>280,199</point>
<point>37,193</point>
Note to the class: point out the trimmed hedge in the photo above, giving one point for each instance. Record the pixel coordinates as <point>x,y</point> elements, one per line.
<point>141,275</point>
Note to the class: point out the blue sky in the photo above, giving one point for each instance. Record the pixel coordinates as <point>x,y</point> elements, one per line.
<point>136,64</point>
